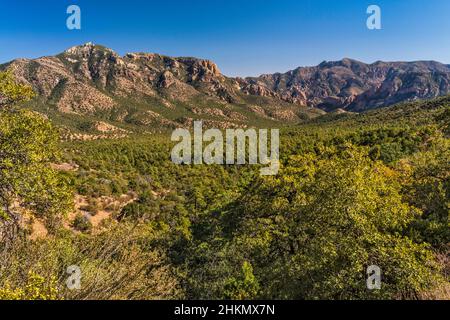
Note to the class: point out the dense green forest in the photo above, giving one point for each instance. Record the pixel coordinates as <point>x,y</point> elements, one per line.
<point>353,190</point>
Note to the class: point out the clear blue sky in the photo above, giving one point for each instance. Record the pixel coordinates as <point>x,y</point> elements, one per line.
<point>246,37</point>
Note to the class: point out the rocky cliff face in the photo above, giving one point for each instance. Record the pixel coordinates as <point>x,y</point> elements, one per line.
<point>148,89</point>
<point>152,89</point>
<point>356,86</point>
<point>88,77</point>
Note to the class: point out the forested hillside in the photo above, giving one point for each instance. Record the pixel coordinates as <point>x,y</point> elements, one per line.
<point>353,190</point>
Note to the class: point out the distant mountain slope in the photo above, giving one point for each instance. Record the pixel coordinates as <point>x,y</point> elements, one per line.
<point>407,114</point>
<point>149,89</point>
<point>355,86</point>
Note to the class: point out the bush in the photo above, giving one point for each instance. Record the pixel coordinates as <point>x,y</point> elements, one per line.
<point>35,288</point>
<point>81,223</point>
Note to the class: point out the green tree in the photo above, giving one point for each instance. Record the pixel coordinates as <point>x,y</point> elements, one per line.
<point>312,231</point>
<point>427,186</point>
<point>11,92</point>
<point>28,144</point>
<point>244,287</point>
<point>35,288</point>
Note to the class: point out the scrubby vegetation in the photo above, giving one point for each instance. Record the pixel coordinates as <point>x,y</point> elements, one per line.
<point>353,190</point>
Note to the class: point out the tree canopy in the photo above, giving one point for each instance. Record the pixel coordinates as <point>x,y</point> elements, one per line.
<point>28,146</point>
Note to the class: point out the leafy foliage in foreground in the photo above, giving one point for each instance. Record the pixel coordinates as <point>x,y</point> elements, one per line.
<point>28,143</point>
<point>311,231</point>
<point>352,191</point>
<point>11,92</point>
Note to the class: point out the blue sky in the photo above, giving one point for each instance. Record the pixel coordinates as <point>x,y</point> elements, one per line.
<point>246,37</point>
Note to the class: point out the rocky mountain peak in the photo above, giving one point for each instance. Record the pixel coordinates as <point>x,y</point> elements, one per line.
<point>91,78</point>
<point>356,86</point>
<point>88,49</point>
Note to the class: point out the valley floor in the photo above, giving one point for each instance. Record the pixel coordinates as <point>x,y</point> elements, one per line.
<point>354,190</point>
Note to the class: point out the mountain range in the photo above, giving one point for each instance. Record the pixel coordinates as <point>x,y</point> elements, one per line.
<point>145,89</point>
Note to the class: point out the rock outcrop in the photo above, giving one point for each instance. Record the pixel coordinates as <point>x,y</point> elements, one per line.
<point>94,80</point>
<point>356,86</point>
